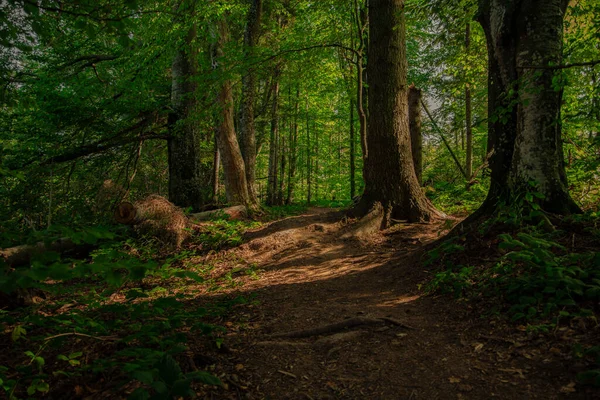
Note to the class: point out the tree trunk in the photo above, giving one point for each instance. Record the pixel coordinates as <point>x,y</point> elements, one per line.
<point>216,167</point>
<point>188,176</point>
<point>247,129</point>
<point>308,159</point>
<point>293,143</point>
<point>273,144</point>
<point>236,187</point>
<point>391,186</point>
<point>468,108</point>
<point>416,136</point>
<point>523,37</point>
<point>352,152</point>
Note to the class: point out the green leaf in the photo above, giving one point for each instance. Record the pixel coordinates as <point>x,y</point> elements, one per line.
<point>169,370</point>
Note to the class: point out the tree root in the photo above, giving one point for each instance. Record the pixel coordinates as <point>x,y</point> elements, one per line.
<point>340,326</point>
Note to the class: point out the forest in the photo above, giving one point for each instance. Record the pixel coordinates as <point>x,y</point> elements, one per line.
<point>299,199</point>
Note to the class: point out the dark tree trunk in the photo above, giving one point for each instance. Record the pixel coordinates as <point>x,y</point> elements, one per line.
<point>247,129</point>
<point>416,136</point>
<point>308,159</point>
<point>352,152</point>
<point>391,186</point>
<point>216,167</point>
<point>523,37</point>
<point>236,187</point>
<point>273,143</point>
<point>293,143</point>
<point>468,108</point>
<point>188,175</point>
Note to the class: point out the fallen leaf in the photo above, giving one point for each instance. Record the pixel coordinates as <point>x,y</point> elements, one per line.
<point>239,367</point>
<point>478,347</point>
<point>454,379</point>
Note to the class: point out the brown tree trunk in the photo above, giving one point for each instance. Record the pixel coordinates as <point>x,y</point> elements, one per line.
<point>247,129</point>
<point>308,158</point>
<point>216,167</point>
<point>236,187</point>
<point>273,143</point>
<point>391,186</point>
<point>468,108</point>
<point>188,175</point>
<point>293,157</point>
<point>352,152</point>
<point>416,136</point>
<point>523,37</point>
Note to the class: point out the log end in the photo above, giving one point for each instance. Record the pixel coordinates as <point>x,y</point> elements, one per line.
<point>125,213</point>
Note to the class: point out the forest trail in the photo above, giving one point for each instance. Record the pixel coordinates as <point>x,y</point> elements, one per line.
<point>311,276</point>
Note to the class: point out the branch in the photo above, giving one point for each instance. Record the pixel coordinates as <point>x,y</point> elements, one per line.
<point>437,128</point>
<point>564,66</point>
<point>99,148</point>
<point>92,58</point>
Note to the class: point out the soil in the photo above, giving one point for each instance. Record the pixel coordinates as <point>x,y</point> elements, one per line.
<point>313,274</point>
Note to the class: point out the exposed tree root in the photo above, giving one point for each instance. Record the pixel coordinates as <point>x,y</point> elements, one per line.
<point>340,326</point>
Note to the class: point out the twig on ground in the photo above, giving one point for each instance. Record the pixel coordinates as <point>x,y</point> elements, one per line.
<point>102,338</point>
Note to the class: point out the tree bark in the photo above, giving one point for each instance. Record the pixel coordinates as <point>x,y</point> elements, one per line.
<point>273,142</point>
<point>524,107</point>
<point>468,109</point>
<point>188,175</point>
<point>416,136</point>
<point>391,186</point>
<point>352,152</point>
<point>236,187</point>
<point>247,128</point>
<point>293,144</point>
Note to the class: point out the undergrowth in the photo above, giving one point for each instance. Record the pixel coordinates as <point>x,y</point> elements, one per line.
<point>120,319</point>
<point>532,272</point>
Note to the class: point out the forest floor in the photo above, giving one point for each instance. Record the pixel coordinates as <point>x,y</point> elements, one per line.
<point>310,274</point>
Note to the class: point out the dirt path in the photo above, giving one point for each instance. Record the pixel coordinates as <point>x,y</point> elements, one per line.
<point>311,276</point>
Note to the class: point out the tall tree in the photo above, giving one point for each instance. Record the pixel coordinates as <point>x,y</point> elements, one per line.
<point>247,129</point>
<point>188,178</point>
<point>391,186</point>
<point>236,187</point>
<point>524,39</point>
<point>416,136</point>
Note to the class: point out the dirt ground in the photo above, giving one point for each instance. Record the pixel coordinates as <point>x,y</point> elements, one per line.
<point>425,347</point>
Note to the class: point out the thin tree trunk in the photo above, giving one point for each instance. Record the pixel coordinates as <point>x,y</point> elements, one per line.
<point>216,167</point>
<point>293,151</point>
<point>247,128</point>
<point>352,152</point>
<point>468,118</point>
<point>308,159</point>
<point>416,136</point>
<point>273,156</point>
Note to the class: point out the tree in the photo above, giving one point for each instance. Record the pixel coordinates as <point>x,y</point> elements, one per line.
<point>188,178</point>
<point>391,187</point>
<point>247,129</point>
<point>524,40</point>
<point>236,187</point>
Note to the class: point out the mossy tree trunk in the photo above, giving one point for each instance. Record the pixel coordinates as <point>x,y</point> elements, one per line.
<point>524,39</point>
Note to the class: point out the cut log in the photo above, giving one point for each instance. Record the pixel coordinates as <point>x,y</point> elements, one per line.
<point>235,213</point>
<point>22,255</point>
<point>155,216</point>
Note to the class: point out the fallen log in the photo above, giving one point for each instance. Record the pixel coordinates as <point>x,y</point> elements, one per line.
<point>234,212</point>
<point>22,255</point>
